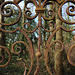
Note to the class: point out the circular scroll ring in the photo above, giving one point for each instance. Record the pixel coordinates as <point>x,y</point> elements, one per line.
<point>10,2</point>
<point>57,41</point>
<point>2,47</point>
<point>72,10</point>
<point>68,55</point>
<point>59,12</point>
<point>50,12</point>
<point>25,44</point>
<point>48,19</point>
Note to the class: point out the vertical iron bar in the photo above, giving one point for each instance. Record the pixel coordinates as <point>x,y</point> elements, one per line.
<point>39,24</point>
<point>39,43</point>
<point>39,40</point>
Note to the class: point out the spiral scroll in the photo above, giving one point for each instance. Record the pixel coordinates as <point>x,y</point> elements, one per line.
<point>71,55</point>
<point>28,10</point>
<point>67,11</point>
<point>10,12</point>
<point>25,44</point>
<point>4,48</point>
<point>50,12</point>
<point>40,12</point>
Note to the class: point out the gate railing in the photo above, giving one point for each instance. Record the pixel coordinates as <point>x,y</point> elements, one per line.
<point>40,9</point>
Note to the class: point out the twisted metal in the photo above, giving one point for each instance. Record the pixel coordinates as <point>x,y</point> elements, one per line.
<point>40,10</point>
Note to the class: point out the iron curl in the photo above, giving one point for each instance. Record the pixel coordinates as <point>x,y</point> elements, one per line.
<point>10,12</point>
<point>4,48</point>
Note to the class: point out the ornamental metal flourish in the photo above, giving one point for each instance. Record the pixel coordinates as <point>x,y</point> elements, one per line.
<point>40,9</point>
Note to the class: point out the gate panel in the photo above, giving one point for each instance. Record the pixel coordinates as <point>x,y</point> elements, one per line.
<point>40,10</point>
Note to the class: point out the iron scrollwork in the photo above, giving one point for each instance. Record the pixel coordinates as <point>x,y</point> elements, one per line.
<point>40,10</point>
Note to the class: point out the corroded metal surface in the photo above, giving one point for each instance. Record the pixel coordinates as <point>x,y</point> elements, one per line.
<point>40,9</point>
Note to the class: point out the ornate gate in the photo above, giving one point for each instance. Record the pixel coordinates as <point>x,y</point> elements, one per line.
<point>40,9</point>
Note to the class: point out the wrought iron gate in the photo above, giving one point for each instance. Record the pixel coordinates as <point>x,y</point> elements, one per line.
<point>40,9</point>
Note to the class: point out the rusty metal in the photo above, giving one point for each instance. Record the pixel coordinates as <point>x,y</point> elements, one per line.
<point>68,55</point>
<point>40,9</point>
<point>2,47</point>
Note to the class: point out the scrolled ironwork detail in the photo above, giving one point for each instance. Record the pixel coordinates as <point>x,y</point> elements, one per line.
<point>50,25</point>
<point>71,10</point>
<point>46,54</point>
<point>4,48</point>
<point>71,58</point>
<point>50,12</point>
<point>20,49</point>
<point>28,24</point>
<point>10,13</point>
<point>67,11</point>
<point>40,10</point>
